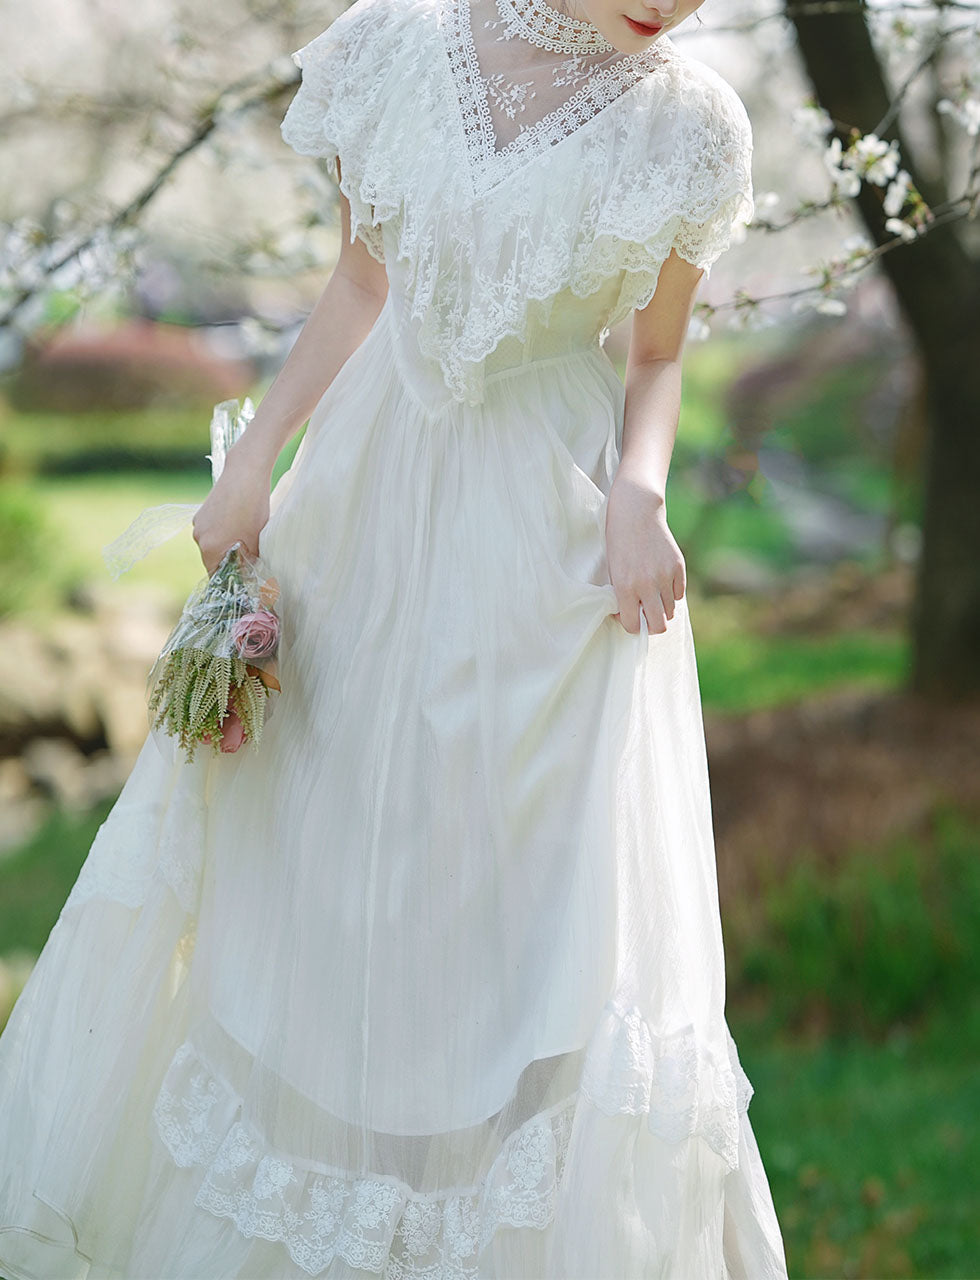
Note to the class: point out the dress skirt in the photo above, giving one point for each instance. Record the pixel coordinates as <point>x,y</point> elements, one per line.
<point>429,985</point>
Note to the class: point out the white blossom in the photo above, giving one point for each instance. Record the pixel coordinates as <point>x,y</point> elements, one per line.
<point>751,318</point>
<point>846,181</point>
<point>811,125</point>
<point>876,159</point>
<point>283,69</point>
<point>899,228</point>
<point>965,113</point>
<point>766,200</point>
<point>896,194</point>
<point>858,242</point>
<point>698,330</point>
<point>821,303</point>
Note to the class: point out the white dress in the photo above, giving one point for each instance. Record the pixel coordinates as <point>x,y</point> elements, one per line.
<point>431,985</point>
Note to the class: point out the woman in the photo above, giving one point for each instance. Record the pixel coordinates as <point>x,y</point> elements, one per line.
<point>431,982</point>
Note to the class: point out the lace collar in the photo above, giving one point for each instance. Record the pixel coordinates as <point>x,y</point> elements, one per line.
<point>550,28</point>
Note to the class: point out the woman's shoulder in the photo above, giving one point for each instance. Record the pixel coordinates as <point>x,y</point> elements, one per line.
<point>707,99</point>
<point>363,41</point>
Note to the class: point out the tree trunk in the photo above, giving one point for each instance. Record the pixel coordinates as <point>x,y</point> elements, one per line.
<point>938,289</point>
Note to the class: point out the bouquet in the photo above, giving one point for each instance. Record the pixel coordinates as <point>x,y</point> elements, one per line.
<point>215,674</point>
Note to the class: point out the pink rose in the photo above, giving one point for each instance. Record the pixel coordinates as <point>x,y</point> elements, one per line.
<point>256,635</point>
<point>232,733</point>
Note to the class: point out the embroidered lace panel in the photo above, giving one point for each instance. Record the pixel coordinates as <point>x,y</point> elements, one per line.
<point>515,96</point>
<point>548,27</point>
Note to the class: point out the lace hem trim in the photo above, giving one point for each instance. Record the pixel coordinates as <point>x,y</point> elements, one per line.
<point>671,1079</point>
<point>377,1222</point>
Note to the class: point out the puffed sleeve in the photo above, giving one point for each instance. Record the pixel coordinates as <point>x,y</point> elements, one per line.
<point>717,197</point>
<point>336,108</point>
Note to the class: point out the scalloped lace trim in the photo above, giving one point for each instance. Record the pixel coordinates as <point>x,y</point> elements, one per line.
<point>377,1222</point>
<point>670,1079</point>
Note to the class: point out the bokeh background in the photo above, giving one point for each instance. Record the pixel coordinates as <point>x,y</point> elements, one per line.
<point>159,249</point>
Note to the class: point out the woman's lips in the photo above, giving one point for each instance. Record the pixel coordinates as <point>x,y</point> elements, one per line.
<point>642,28</point>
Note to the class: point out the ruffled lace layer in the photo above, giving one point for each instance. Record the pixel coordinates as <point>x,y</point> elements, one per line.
<point>377,1222</point>
<point>664,163</point>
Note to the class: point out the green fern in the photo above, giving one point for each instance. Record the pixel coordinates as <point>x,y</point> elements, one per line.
<point>197,682</point>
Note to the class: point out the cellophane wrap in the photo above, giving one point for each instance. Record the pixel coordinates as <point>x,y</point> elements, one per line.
<point>156,525</point>
<point>219,665</point>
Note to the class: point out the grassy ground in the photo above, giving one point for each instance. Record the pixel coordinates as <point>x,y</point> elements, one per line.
<point>871,1147</point>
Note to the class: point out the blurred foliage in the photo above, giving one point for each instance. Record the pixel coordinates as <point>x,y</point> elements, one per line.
<point>74,515</point>
<point>35,880</point>
<point>27,541</point>
<point>746,671</point>
<point>62,444</point>
<point>871,1146</point>
<point>881,937</point>
<point>828,423</point>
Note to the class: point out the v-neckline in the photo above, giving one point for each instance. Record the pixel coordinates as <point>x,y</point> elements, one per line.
<point>490,166</point>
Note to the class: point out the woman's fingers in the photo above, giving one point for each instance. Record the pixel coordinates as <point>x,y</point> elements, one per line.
<point>655,613</point>
<point>656,617</point>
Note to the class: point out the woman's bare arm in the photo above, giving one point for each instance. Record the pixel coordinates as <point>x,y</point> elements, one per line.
<point>238,506</point>
<point>645,563</point>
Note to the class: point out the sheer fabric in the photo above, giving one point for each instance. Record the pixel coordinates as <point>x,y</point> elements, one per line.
<point>431,986</point>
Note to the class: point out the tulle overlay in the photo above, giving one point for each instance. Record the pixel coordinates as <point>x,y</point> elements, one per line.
<point>432,985</point>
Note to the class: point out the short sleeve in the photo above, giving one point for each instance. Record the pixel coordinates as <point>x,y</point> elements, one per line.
<point>718,197</point>
<point>334,110</point>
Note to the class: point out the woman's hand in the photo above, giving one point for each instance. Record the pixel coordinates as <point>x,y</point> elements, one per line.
<point>236,510</point>
<point>646,566</point>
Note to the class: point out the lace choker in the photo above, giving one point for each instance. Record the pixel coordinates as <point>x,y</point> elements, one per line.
<point>550,28</point>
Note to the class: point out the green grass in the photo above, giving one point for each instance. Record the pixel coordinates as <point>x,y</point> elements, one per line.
<point>89,511</point>
<point>37,878</point>
<point>871,1148</point>
<point>747,671</point>
<point>875,940</point>
<point>79,514</point>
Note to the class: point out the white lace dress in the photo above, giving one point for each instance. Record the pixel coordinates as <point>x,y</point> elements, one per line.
<point>431,985</point>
